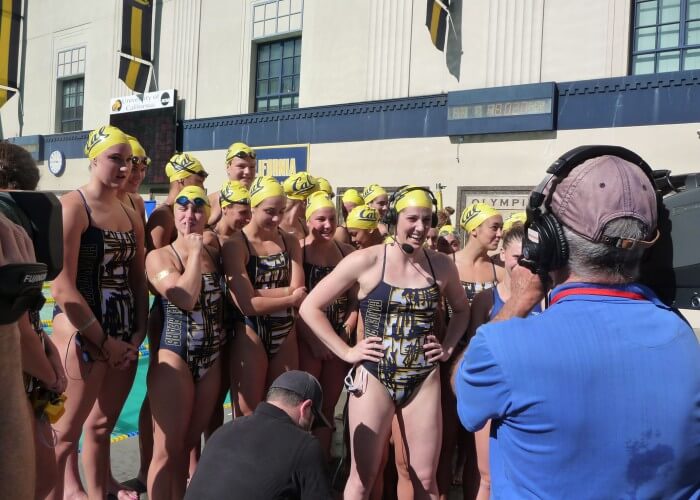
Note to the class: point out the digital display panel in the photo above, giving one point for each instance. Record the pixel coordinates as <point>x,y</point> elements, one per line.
<point>498,109</point>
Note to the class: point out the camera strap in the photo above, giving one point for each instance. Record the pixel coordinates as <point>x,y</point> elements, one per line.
<point>20,290</point>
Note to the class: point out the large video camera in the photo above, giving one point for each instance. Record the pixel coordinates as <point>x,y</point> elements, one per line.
<point>39,213</point>
<point>672,265</point>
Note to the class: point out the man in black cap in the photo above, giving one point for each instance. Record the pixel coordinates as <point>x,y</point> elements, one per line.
<point>271,453</point>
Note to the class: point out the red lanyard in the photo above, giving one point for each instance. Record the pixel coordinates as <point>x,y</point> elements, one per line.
<point>607,292</point>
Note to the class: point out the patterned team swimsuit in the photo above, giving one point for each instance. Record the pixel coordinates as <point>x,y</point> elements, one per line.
<point>403,318</point>
<point>338,309</point>
<point>102,277</point>
<point>195,335</point>
<point>265,272</point>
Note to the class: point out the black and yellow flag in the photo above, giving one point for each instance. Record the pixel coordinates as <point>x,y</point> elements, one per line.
<point>9,46</point>
<point>436,21</point>
<point>136,41</point>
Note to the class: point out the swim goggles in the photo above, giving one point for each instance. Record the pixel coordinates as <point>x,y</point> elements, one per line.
<point>197,202</point>
<point>243,155</point>
<point>135,160</point>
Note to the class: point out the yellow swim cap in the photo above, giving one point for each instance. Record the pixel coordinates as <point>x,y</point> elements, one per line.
<point>233,192</point>
<point>136,147</point>
<point>475,215</point>
<point>362,217</point>
<point>264,187</point>
<point>317,201</point>
<point>372,191</point>
<point>325,186</point>
<point>412,196</point>
<point>447,230</point>
<point>299,186</point>
<point>103,138</point>
<point>195,195</point>
<point>352,196</point>
<point>239,150</point>
<point>514,218</point>
<point>389,240</point>
<point>182,165</point>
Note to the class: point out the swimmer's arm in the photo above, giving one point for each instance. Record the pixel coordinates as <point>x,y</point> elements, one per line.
<point>234,254</point>
<point>341,235</point>
<point>215,208</point>
<point>182,290</point>
<point>454,293</point>
<point>139,284</point>
<point>296,280</point>
<point>63,287</point>
<point>338,282</point>
<point>160,229</point>
<point>34,359</point>
<point>353,313</point>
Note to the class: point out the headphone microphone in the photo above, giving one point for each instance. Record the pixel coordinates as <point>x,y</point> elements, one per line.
<point>406,248</point>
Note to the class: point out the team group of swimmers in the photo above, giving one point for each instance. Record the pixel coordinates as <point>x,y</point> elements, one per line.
<point>255,279</point>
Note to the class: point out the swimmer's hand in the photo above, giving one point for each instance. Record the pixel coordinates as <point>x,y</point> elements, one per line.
<point>193,242</point>
<point>298,296</point>
<point>119,354</point>
<point>433,350</point>
<point>368,349</point>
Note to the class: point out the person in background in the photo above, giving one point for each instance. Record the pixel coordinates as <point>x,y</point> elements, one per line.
<point>41,361</point>
<point>100,315</point>
<point>486,305</point>
<point>320,254</point>
<point>448,240</point>
<point>363,223</point>
<point>183,379</point>
<point>130,194</point>
<point>265,276</point>
<point>240,166</point>
<point>600,394</point>
<point>325,186</point>
<point>271,453</point>
<point>351,199</point>
<point>432,239</point>
<point>297,188</point>
<point>183,170</point>
<point>376,197</point>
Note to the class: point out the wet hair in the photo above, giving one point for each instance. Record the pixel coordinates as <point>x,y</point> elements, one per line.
<point>284,396</point>
<point>594,261</point>
<point>18,169</point>
<point>515,233</point>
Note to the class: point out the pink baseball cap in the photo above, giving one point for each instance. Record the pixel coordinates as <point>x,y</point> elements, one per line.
<point>601,190</point>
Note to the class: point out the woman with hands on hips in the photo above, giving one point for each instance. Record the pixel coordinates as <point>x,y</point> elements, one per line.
<point>183,381</point>
<point>400,287</point>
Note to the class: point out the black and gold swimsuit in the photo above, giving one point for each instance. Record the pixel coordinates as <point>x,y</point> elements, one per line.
<point>313,274</point>
<point>403,318</point>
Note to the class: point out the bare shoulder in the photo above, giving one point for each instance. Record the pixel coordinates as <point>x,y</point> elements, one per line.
<point>365,258</point>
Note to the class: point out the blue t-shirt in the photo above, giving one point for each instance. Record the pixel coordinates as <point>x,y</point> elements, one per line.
<point>597,397</point>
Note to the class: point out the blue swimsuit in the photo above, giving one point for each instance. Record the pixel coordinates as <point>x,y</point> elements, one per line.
<point>403,318</point>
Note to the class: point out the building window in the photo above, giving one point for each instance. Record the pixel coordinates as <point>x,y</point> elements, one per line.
<point>70,89</point>
<point>666,36</point>
<point>277,76</point>
<point>276,17</point>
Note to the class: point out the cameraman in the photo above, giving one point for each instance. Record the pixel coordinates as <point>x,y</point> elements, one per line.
<point>599,396</point>
<point>41,362</point>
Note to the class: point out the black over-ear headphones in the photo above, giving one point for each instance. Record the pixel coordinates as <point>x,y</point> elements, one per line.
<point>392,216</point>
<point>545,247</point>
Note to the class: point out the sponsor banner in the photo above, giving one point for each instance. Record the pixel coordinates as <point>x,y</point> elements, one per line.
<point>143,102</point>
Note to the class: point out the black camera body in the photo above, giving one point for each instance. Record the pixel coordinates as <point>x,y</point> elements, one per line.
<point>39,213</point>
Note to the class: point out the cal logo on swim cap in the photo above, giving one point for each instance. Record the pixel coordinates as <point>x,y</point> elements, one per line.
<point>317,201</point>
<point>363,217</point>
<point>181,166</point>
<point>102,139</point>
<point>475,215</point>
<point>299,186</point>
<point>264,187</point>
<point>233,192</point>
<point>513,219</point>
<point>372,191</point>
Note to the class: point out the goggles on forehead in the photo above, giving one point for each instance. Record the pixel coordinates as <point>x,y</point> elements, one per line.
<point>244,201</point>
<point>244,155</point>
<point>197,202</point>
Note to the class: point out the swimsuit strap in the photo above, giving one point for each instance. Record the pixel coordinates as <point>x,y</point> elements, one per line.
<point>303,252</point>
<point>495,277</point>
<point>284,242</point>
<point>131,201</point>
<point>127,213</point>
<point>454,259</point>
<point>432,271</point>
<point>87,207</point>
<point>247,243</point>
<point>178,258</point>
<point>303,226</point>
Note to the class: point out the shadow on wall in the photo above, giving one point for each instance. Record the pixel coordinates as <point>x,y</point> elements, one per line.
<point>453,52</point>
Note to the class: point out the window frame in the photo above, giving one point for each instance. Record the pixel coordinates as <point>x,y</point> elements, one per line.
<point>278,78</point>
<point>62,109</point>
<point>682,47</point>
<point>70,67</point>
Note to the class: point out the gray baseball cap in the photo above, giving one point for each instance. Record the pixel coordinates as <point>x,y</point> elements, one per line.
<point>305,385</point>
<point>601,190</point>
